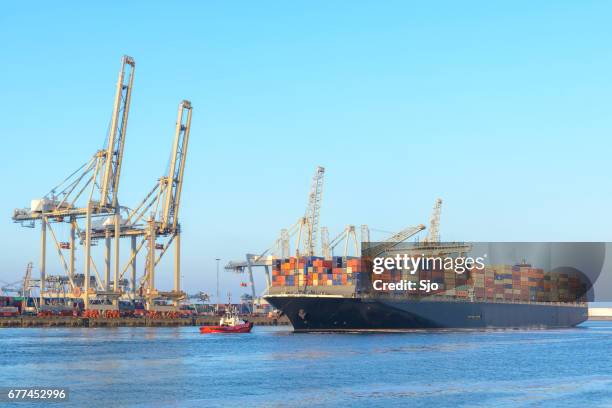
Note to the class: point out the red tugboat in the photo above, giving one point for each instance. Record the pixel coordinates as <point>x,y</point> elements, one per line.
<point>229,324</point>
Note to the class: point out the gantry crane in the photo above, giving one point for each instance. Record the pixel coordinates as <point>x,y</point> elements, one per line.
<point>305,231</point>
<point>10,287</point>
<point>311,219</point>
<point>89,192</point>
<point>156,218</point>
<point>433,234</point>
<point>264,260</point>
<point>169,190</point>
<point>26,290</point>
<point>347,235</point>
<point>432,245</point>
<point>325,248</point>
<point>365,233</point>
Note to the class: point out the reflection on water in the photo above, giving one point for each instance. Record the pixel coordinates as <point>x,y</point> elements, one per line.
<point>160,367</point>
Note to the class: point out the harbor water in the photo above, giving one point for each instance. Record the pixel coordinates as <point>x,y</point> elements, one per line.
<point>273,367</point>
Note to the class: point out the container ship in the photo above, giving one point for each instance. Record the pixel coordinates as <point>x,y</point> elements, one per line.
<point>337,295</point>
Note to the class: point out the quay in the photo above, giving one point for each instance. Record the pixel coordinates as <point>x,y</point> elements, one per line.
<point>69,321</point>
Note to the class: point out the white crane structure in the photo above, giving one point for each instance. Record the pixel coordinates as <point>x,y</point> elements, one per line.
<point>325,248</point>
<point>28,284</point>
<point>310,222</point>
<point>365,233</point>
<point>433,234</point>
<point>87,193</point>
<point>432,245</point>
<point>155,219</point>
<point>87,200</point>
<point>10,287</point>
<point>394,240</point>
<point>305,231</point>
<point>347,236</point>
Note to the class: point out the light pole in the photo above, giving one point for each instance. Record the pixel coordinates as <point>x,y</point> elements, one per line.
<point>217,298</point>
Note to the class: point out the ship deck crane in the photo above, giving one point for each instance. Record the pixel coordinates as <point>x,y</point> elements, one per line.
<point>88,192</point>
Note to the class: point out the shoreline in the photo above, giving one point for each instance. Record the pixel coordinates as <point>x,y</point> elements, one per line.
<point>69,321</point>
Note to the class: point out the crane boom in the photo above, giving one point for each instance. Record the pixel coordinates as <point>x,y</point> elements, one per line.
<point>174,180</point>
<point>433,235</point>
<point>313,211</point>
<point>404,234</point>
<point>395,239</point>
<point>99,175</point>
<point>116,137</point>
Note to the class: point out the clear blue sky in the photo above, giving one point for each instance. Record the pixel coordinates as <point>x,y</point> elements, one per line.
<point>500,108</point>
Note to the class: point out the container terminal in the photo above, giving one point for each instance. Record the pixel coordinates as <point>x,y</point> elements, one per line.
<point>306,285</point>
<point>86,203</point>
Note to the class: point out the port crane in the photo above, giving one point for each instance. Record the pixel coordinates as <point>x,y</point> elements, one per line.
<point>347,236</point>
<point>310,222</point>
<point>433,234</point>
<point>11,287</point>
<point>28,284</point>
<point>169,190</point>
<point>87,193</point>
<point>305,231</point>
<point>365,233</point>
<point>325,248</point>
<point>432,245</point>
<point>264,259</point>
<point>155,221</point>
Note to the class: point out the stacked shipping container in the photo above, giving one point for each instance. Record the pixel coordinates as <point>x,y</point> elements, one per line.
<point>525,283</point>
<point>495,282</point>
<point>315,271</point>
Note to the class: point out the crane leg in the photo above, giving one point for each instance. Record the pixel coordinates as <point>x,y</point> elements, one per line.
<point>356,244</point>
<point>250,268</point>
<point>268,282</point>
<point>177,266</point>
<point>151,264</point>
<point>87,255</point>
<point>252,290</point>
<point>117,236</point>
<point>72,242</point>
<point>107,260</point>
<point>43,259</point>
<point>133,263</point>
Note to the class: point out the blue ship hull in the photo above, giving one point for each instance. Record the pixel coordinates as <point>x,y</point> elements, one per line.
<point>312,313</point>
